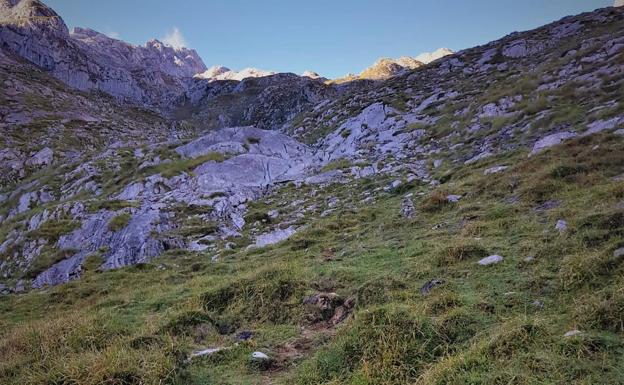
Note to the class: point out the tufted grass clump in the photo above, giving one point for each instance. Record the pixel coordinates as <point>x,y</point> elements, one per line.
<point>79,349</point>
<point>435,201</point>
<point>459,251</point>
<point>52,230</point>
<point>119,221</point>
<point>603,310</point>
<point>112,205</point>
<point>272,295</point>
<point>389,344</point>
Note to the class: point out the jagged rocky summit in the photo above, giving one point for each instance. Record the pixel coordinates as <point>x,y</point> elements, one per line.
<point>87,60</point>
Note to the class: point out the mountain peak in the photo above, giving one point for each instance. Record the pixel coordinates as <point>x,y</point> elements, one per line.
<point>428,57</point>
<point>224,73</point>
<point>385,68</point>
<point>32,14</point>
<point>311,74</point>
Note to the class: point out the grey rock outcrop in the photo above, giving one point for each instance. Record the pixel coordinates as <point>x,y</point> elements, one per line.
<point>274,237</point>
<point>266,158</point>
<point>43,157</point>
<point>550,141</point>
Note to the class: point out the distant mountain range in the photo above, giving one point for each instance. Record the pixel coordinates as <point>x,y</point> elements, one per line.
<point>153,74</point>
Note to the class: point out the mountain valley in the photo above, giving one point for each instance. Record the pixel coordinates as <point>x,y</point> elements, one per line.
<point>448,218</point>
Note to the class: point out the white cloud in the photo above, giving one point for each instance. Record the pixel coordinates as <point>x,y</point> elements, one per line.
<point>113,35</point>
<point>174,39</point>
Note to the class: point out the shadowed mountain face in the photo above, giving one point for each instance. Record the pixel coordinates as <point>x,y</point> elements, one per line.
<point>459,221</point>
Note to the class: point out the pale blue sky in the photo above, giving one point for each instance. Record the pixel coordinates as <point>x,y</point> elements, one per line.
<point>331,37</point>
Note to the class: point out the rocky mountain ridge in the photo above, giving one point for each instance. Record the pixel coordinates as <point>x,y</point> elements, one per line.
<point>87,60</point>
<point>224,73</point>
<point>386,68</point>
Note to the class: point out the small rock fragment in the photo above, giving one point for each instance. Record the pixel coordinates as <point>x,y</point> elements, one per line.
<point>205,352</point>
<point>407,208</point>
<point>492,259</point>
<point>259,356</point>
<point>453,198</point>
<point>573,333</point>
<point>244,335</point>
<point>427,287</point>
<point>538,304</point>
<point>495,170</point>
<point>561,226</point>
<point>260,360</point>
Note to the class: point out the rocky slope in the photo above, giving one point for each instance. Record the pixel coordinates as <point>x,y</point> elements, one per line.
<point>436,112</point>
<point>46,123</point>
<point>265,102</point>
<point>459,222</point>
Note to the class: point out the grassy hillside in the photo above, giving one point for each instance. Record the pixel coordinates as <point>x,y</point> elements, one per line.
<point>496,324</point>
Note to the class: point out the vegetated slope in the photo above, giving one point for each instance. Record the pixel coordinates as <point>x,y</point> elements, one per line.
<point>39,112</point>
<point>512,151</point>
<point>478,324</point>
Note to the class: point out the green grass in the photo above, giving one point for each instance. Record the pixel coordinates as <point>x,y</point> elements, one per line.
<point>119,221</point>
<point>338,164</point>
<point>177,167</point>
<point>138,324</point>
<point>51,230</point>
<point>112,205</point>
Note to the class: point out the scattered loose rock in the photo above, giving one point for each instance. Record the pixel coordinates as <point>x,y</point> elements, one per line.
<point>573,333</point>
<point>550,141</point>
<point>492,259</point>
<point>259,356</point>
<point>495,170</point>
<point>327,307</point>
<point>407,208</point>
<point>548,205</point>
<point>561,226</point>
<point>205,352</point>
<point>260,360</point>
<point>244,335</point>
<point>274,237</point>
<point>430,285</point>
